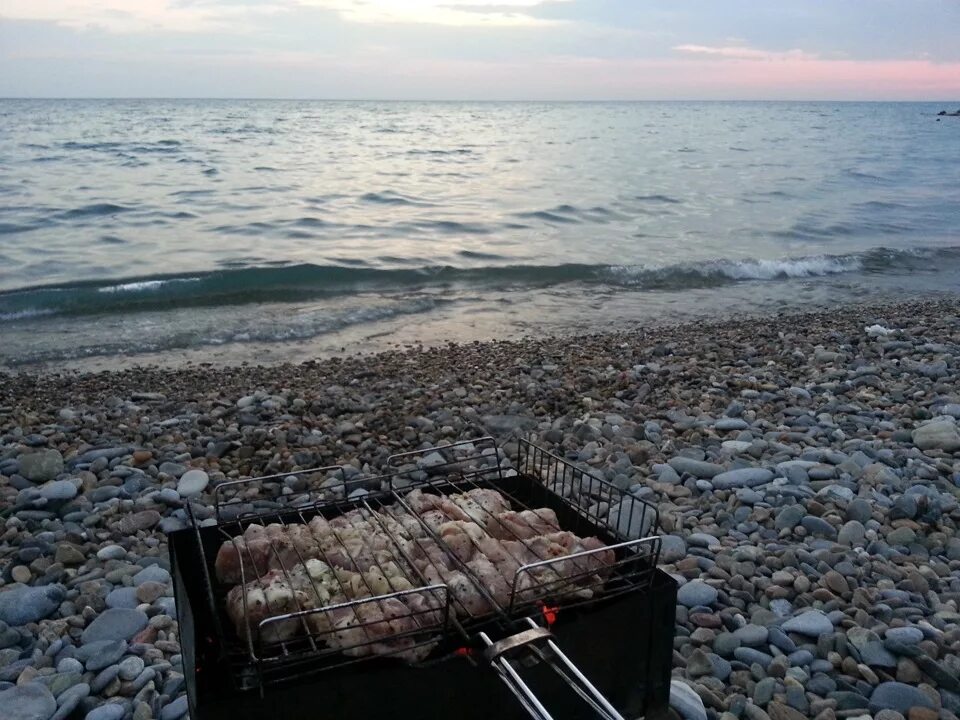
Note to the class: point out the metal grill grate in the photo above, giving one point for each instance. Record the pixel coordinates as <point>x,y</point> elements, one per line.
<point>310,620</point>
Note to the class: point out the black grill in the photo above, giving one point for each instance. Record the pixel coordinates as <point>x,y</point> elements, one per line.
<point>539,645</point>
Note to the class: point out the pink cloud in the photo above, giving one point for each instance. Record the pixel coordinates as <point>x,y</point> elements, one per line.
<point>740,52</point>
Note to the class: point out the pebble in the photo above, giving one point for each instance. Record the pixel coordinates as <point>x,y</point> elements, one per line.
<point>153,573</point>
<point>696,593</point>
<point>174,710</point>
<point>69,699</point>
<point>852,534</point>
<point>192,483</point>
<point>108,711</point>
<point>131,667</point>
<point>812,623</point>
<point>122,597</point>
<point>898,696</point>
<point>115,624</point>
<point>751,635</point>
<point>782,457</point>
<point>22,605</point>
<point>41,466</point>
<point>32,701</point>
<point>906,635</point>
<point>696,468</point>
<point>58,490</point>
<point>744,477</point>
<point>939,434</point>
<point>111,552</point>
<point>683,699</point>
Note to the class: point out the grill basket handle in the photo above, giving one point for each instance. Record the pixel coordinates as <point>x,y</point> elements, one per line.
<point>497,653</point>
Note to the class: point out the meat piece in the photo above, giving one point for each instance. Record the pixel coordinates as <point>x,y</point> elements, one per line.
<point>261,549</point>
<point>252,555</point>
<point>461,537</point>
<point>248,605</point>
<point>595,562</point>
<point>464,591</point>
<point>510,525</point>
<point>434,518</point>
<point>420,502</point>
<point>425,553</point>
<point>411,526</point>
<point>480,502</point>
<point>492,579</point>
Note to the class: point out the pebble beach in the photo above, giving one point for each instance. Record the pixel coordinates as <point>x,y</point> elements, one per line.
<point>806,467</point>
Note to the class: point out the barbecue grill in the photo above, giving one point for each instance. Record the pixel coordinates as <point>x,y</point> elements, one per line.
<point>579,640</point>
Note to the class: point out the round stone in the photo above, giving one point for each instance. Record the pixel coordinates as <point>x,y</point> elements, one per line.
<point>906,635</point>
<point>109,711</point>
<point>122,597</point>
<point>115,624</point>
<point>32,701</point>
<point>175,710</point>
<point>751,635</point>
<point>41,466</point>
<point>812,623</point>
<point>70,665</point>
<point>192,482</point>
<point>58,490</point>
<point>852,534</point>
<point>696,593</point>
<point>131,667</point>
<point>101,654</point>
<point>149,591</point>
<point>683,699</point>
<point>23,605</point>
<point>898,696</point>
<point>152,573</point>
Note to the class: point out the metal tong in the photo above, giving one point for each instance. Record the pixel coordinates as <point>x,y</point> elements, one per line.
<point>538,640</point>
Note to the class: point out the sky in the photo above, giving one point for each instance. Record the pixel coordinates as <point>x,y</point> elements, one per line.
<point>483,49</point>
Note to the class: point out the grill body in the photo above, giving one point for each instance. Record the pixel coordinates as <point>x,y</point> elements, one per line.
<point>623,645</point>
<point>622,642</point>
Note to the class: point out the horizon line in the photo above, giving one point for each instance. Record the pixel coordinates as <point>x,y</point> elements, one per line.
<point>471,100</point>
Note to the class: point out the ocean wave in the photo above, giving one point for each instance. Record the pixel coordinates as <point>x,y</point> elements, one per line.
<point>280,283</point>
<point>94,210</point>
<point>24,314</point>
<point>143,285</point>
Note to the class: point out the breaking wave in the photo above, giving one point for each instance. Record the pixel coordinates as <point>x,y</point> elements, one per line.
<point>295,283</point>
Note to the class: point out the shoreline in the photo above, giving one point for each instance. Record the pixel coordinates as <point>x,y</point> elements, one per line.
<point>807,471</point>
<point>387,340</point>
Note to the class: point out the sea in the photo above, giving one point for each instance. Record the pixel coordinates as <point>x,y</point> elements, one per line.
<point>260,231</point>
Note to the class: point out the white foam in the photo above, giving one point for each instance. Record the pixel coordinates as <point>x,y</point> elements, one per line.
<point>791,268</point>
<point>143,285</point>
<point>745,269</point>
<point>24,314</point>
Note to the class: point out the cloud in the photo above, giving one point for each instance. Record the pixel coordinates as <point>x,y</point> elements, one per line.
<point>138,16</point>
<point>742,52</point>
<point>484,13</point>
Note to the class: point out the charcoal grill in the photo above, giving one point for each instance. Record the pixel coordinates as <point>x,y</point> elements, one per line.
<point>581,643</point>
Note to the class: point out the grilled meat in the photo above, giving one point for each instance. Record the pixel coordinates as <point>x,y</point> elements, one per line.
<point>351,579</point>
